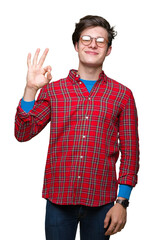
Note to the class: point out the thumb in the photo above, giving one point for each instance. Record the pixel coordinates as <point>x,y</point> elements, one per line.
<point>49,76</point>
<point>106,221</point>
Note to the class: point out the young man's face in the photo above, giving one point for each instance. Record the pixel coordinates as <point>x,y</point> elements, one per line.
<point>93,55</point>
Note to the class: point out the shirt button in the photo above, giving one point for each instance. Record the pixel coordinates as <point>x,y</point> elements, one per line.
<point>77,75</point>
<point>89,98</point>
<point>81,156</point>
<point>80,82</point>
<point>86,117</point>
<point>83,136</point>
<point>79,176</point>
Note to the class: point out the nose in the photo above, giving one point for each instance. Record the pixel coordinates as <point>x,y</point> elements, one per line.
<point>93,43</point>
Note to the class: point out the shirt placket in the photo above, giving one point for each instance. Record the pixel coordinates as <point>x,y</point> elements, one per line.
<point>83,139</point>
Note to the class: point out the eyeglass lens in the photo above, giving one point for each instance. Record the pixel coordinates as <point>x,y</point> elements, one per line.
<point>86,40</point>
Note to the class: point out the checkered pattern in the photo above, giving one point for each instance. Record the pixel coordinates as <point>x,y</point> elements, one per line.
<point>88,130</point>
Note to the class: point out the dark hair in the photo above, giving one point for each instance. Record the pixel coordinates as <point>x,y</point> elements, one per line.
<point>93,21</point>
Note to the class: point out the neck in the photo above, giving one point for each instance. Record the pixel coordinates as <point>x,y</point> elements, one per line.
<point>89,73</point>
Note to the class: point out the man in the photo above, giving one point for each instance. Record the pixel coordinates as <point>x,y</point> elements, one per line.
<point>92,118</point>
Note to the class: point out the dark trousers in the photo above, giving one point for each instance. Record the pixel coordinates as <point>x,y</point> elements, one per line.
<point>62,220</point>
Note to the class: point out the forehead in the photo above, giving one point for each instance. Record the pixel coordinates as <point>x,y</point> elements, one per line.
<point>95,32</point>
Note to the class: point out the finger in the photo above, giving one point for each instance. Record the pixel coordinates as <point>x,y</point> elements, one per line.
<point>36,56</point>
<point>43,57</point>
<point>49,76</point>
<point>106,221</point>
<point>117,229</point>
<point>122,226</point>
<point>29,60</point>
<point>110,229</point>
<point>47,69</point>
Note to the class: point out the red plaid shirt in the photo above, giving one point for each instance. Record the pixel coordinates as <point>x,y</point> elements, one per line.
<point>88,130</point>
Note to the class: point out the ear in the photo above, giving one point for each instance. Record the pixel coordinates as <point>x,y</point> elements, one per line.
<point>108,51</point>
<point>76,46</point>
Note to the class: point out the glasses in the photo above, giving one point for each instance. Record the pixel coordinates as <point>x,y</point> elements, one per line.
<point>87,40</point>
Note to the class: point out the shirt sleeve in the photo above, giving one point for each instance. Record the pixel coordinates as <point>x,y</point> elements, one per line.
<point>28,125</point>
<point>129,143</point>
<point>125,191</point>
<point>27,106</point>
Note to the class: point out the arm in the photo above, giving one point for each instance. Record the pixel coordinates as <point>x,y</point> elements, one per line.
<point>27,125</point>
<point>129,144</point>
<point>129,164</point>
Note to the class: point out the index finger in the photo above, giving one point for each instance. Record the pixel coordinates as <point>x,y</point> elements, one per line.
<point>41,61</point>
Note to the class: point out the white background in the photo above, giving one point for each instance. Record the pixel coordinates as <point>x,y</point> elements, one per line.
<point>27,25</point>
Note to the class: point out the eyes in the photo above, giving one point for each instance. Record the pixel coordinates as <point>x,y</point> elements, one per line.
<point>86,40</point>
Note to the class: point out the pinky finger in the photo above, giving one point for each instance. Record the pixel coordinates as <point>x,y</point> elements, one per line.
<point>29,60</point>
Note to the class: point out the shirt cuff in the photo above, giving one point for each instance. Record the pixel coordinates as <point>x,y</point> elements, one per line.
<point>124,191</point>
<point>27,106</point>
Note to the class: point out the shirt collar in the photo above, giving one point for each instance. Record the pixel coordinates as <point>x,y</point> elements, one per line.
<point>75,77</point>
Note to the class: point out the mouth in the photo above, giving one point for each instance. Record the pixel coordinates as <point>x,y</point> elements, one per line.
<point>91,52</point>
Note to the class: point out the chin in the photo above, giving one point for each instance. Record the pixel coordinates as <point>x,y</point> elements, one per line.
<point>92,64</point>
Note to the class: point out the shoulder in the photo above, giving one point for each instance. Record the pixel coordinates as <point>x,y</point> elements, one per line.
<point>118,87</point>
<point>53,84</point>
<point>53,88</point>
<point>119,92</point>
<point>56,83</point>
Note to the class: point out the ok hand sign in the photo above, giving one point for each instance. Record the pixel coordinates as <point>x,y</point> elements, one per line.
<point>36,78</point>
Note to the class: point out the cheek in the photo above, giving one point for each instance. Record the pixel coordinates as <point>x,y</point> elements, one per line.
<point>81,51</point>
<point>103,53</point>
<point>80,47</point>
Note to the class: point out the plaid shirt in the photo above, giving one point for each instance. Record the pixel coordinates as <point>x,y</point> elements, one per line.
<point>88,130</point>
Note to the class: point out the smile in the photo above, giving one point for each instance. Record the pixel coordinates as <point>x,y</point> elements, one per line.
<point>91,53</point>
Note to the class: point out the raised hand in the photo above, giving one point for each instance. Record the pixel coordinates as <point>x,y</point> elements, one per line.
<point>36,73</point>
<point>36,78</point>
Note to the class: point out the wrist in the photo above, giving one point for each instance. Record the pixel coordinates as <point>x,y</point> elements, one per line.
<point>121,198</point>
<point>29,94</point>
<point>123,202</point>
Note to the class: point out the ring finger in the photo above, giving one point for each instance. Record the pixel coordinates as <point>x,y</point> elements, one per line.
<point>118,228</point>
